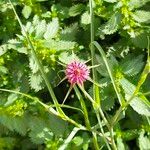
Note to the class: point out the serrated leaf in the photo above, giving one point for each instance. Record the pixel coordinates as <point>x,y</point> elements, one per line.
<point>18,124</point>
<point>102,67</point>
<point>3,49</point>
<point>132,65</point>
<point>17,45</point>
<point>69,33</point>
<point>67,58</point>
<point>57,125</point>
<point>85,18</point>
<point>52,29</point>
<point>137,3</point>
<point>112,25</point>
<point>33,65</point>
<point>40,29</point>
<point>26,11</point>
<point>142,16</point>
<point>139,103</point>
<point>36,82</point>
<point>76,10</point>
<point>39,130</point>
<point>144,141</point>
<point>140,40</point>
<point>11,98</point>
<point>106,92</point>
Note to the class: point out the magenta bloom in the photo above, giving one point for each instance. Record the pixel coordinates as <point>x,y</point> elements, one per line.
<point>77,72</point>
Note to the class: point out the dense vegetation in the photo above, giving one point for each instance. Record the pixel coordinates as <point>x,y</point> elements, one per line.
<point>111,110</point>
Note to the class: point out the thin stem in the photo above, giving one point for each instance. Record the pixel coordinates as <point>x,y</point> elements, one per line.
<point>95,87</point>
<point>68,140</point>
<point>110,128</point>
<point>84,108</point>
<point>104,118</point>
<point>109,71</point>
<point>86,94</point>
<point>114,147</point>
<point>95,142</point>
<point>101,128</point>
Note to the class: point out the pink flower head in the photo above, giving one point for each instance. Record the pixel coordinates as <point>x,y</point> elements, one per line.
<point>77,72</point>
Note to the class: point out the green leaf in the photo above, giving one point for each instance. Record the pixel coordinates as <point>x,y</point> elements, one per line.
<point>52,29</point>
<point>57,125</point>
<point>76,10</point>
<point>85,18</point>
<point>3,70</point>
<point>67,58</point>
<point>18,124</point>
<point>40,29</point>
<point>144,141</point>
<point>11,98</point>
<point>17,45</point>
<point>26,11</point>
<point>77,140</point>
<point>69,33</point>
<point>137,3</point>
<point>39,130</point>
<point>128,135</point>
<point>142,16</point>
<point>112,25</point>
<point>36,82</point>
<point>3,49</point>
<point>33,65</point>
<point>102,67</point>
<point>139,103</point>
<point>120,144</point>
<point>132,65</point>
<point>140,40</point>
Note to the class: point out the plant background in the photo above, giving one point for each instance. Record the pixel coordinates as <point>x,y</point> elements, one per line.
<point>56,28</point>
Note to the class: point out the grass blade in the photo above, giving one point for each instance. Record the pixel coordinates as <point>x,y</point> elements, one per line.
<point>109,70</point>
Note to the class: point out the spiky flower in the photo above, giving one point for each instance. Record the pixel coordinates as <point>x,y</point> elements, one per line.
<point>77,72</point>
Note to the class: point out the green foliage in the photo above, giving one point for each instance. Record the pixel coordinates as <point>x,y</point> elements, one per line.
<point>143,141</point>
<point>60,33</point>
<point>139,103</point>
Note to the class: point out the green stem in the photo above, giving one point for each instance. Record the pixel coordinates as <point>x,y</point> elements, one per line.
<point>95,142</point>
<point>94,74</point>
<point>68,140</point>
<point>84,108</point>
<point>110,128</point>
<point>109,71</point>
<point>101,128</point>
<point>114,147</point>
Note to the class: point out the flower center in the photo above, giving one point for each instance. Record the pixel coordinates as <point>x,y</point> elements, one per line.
<point>77,72</point>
